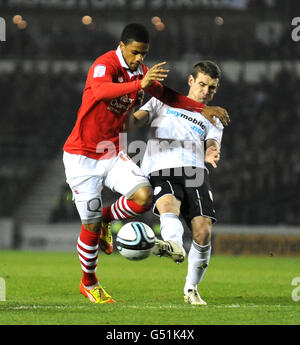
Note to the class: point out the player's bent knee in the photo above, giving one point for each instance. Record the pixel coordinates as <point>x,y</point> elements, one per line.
<point>201,227</point>
<point>143,196</point>
<point>202,237</point>
<point>94,227</point>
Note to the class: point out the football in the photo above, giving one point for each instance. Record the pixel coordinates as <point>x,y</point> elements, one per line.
<point>135,241</point>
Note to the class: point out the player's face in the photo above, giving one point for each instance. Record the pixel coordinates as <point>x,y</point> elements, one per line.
<point>203,88</point>
<point>134,53</point>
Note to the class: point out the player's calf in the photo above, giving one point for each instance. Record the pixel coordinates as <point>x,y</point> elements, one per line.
<point>106,239</point>
<point>198,260</point>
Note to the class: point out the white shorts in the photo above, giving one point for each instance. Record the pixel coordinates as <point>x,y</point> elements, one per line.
<point>86,177</point>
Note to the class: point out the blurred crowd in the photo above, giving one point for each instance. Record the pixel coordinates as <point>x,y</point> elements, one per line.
<point>258,178</point>
<point>225,38</point>
<point>37,113</point>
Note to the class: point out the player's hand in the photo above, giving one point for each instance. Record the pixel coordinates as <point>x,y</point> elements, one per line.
<point>210,111</point>
<point>157,72</point>
<point>212,156</point>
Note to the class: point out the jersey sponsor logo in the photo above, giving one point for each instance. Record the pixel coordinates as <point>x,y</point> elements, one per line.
<point>99,71</point>
<point>193,120</point>
<point>173,112</point>
<point>199,126</point>
<point>186,117</point>
<point>198,130</point>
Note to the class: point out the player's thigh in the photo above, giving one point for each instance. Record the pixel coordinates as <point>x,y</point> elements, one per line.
<point>125,177</point>
<point>167,195</point>
<point>85,178</point>
<point>168,203</point>
<point>87,198</point>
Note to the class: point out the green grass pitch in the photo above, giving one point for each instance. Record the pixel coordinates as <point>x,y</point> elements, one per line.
<point>41,288</point>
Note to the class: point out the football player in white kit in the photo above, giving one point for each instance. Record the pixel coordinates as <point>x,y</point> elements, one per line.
<point>180,144</point>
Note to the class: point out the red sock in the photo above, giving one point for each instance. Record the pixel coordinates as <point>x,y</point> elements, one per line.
<point>122,209</point>
<point>87,248</point>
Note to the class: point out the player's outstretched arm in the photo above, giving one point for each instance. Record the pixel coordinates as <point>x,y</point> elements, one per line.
<point>177,100</point>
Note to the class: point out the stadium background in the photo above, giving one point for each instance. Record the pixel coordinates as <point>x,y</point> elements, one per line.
<point>43,67</point>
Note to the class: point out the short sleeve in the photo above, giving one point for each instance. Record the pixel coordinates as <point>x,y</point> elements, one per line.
<point>215,132</point>
<point>152,106</point>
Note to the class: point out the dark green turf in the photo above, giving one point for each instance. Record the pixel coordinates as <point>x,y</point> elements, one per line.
<point>42,289</point>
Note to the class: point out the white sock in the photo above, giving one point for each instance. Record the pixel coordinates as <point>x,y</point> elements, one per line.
<point>171,228</point>
<point>198,260</point>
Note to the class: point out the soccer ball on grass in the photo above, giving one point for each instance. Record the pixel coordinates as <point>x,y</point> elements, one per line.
<point>135,240</point>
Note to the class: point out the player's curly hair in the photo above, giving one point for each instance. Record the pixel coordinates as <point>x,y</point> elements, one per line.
<point>207,67</point>
<point>135,32</point>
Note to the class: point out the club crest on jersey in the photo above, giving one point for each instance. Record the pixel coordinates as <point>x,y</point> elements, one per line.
<point>99,71</point>
<point>120,105</point>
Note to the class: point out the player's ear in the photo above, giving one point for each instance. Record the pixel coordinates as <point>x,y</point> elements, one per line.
<point>190,80</point>
<point>122,46</point>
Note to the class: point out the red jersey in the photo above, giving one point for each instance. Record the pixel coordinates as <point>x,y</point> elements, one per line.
<point>110,92</point>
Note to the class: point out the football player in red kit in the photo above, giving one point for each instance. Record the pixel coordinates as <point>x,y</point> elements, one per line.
<point>92,154</point>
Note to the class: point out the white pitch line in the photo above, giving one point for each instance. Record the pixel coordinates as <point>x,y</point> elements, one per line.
<point>64,307</point>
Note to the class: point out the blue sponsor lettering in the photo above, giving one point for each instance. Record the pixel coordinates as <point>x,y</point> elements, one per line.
<point>173,112</point>
<point>199,126</point>
<point>198,130</point>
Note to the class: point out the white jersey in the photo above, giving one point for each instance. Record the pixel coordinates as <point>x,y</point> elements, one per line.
<point>177,137</point>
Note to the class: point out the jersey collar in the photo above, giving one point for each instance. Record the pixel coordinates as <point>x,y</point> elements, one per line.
<point>123,63</point>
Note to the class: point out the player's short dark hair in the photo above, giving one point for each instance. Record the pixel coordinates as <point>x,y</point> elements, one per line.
<point>207,67</point>
<point>135,32</point>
